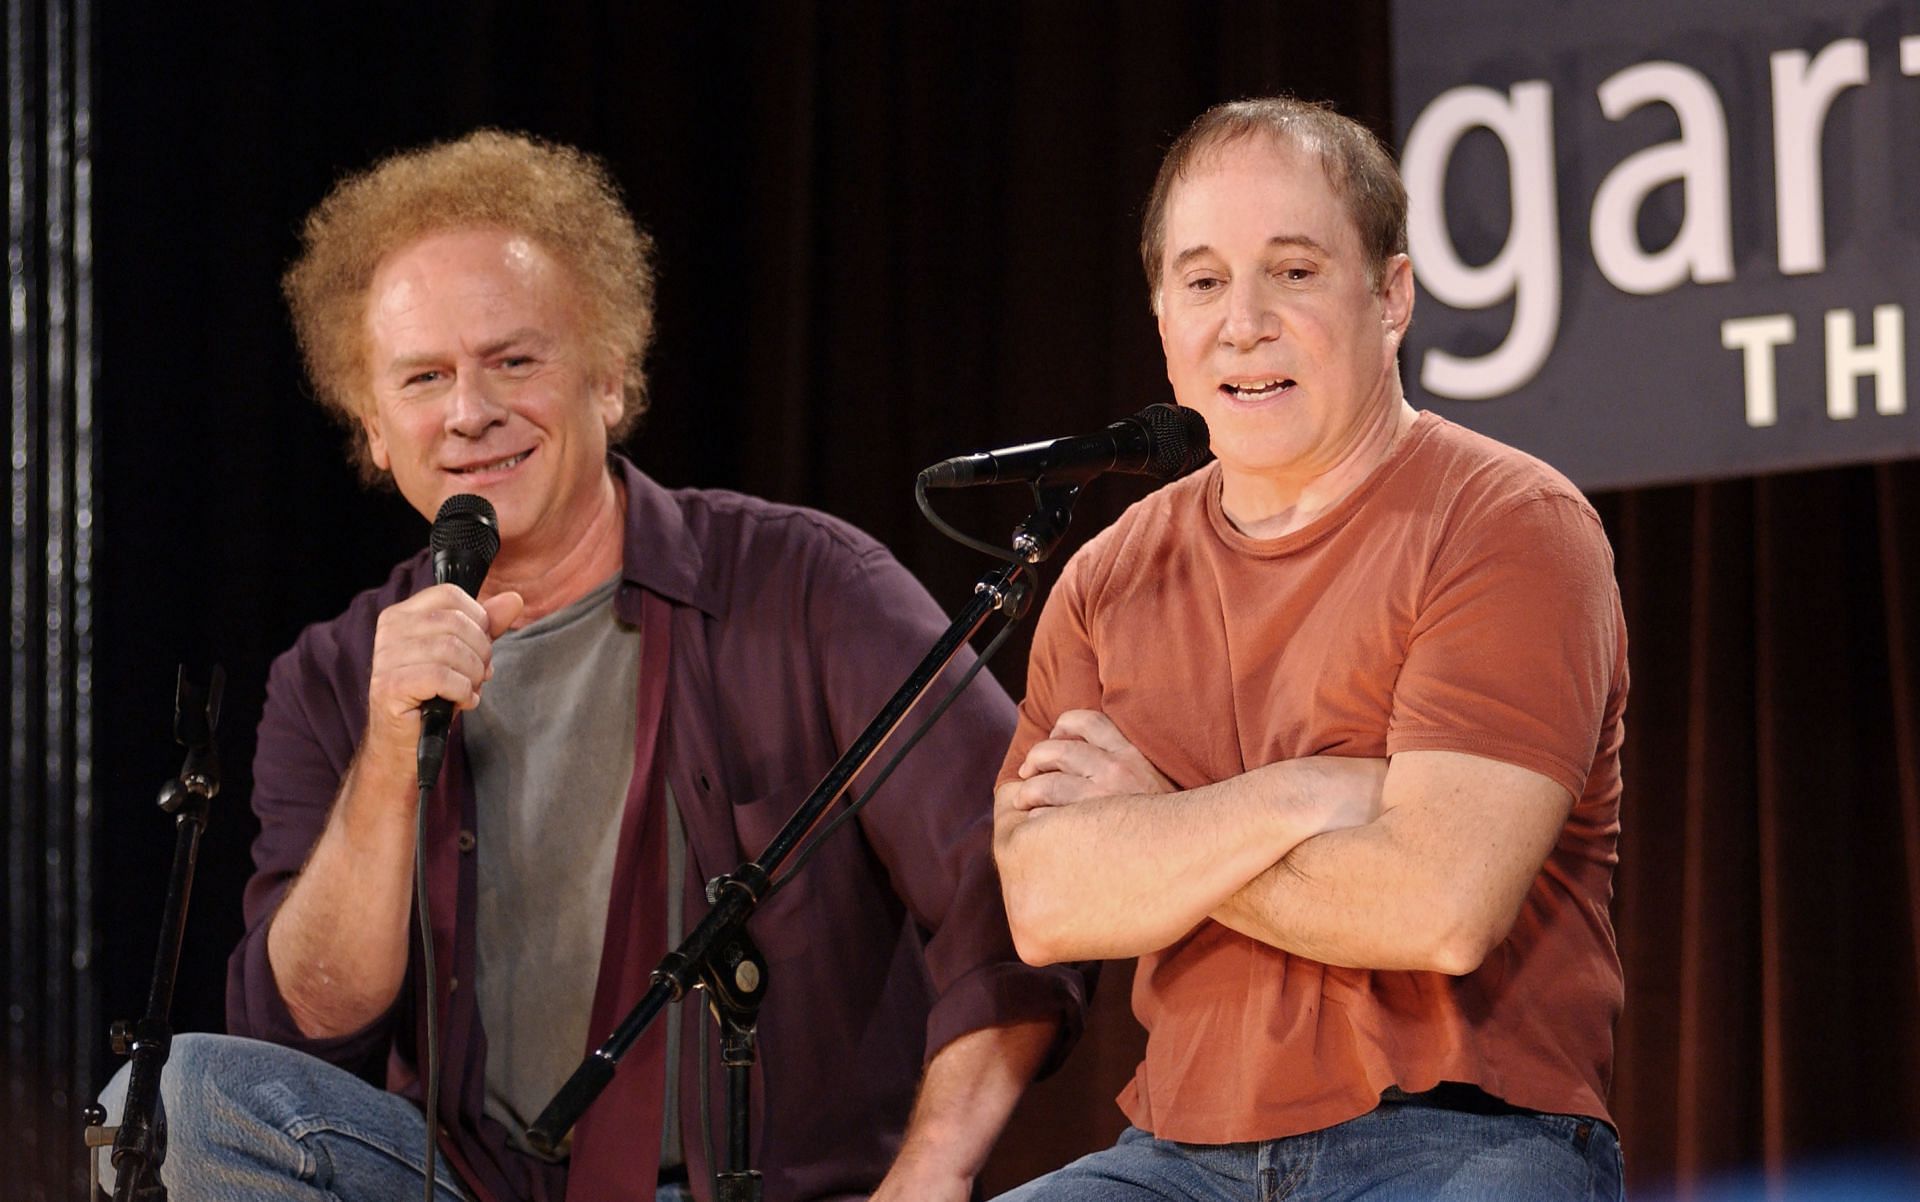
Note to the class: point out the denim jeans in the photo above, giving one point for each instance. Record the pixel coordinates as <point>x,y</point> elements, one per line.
<point>255,1122</point>
<point>1402,1151</point>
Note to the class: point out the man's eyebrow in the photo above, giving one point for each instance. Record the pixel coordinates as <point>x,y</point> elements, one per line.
<point>1279,241</point>
<point>1302,241</point>
<point>1188,255</point>
<point>524,336</point>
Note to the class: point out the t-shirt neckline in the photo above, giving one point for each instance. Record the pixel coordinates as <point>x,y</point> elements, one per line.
<point>1424,423</point>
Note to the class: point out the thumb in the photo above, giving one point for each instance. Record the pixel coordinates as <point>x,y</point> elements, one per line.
<point>502,609</point>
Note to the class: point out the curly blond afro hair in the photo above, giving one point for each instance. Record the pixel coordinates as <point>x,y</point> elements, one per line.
<point>563,199</point>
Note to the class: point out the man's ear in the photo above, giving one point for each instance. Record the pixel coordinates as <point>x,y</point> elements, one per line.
<point>610,391</point>
<point>376,440</point>
<point>1396,297</point>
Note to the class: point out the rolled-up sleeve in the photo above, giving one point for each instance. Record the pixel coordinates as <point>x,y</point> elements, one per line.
<point>936,839</point>
<point>315,709</point>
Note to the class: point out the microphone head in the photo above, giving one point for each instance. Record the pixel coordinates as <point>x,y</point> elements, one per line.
<point>1176,440</point>
<point>466,537</point>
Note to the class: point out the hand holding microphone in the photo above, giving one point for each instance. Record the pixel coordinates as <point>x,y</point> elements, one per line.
<point>433,651</point>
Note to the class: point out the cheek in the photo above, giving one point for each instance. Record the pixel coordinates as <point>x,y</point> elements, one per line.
<point>1187,346</point>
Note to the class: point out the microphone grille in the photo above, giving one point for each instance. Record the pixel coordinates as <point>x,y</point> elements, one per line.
<point>466,529</point>
<point>1177,439</point>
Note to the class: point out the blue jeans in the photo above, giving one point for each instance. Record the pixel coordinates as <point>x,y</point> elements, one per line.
<point>250,1121</point>
<point>1402,1151</point>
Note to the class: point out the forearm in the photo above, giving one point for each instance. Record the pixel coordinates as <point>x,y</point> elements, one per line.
<point>1112,877</point>
<point>1434,883</point>
<point>338,943</point>
<point>966,1096</point>
<point>1355,898</point>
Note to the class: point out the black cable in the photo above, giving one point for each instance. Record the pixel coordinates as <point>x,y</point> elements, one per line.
<point>706,1101</point>
<point>806,853</point>
<point>940,524</point>
<point>431,982</point>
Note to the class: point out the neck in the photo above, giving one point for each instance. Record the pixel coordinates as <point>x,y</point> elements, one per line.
<point>550,582</point>
<point>1269,506</point>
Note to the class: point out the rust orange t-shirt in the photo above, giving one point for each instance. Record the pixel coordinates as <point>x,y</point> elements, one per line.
<point>1461,599</point>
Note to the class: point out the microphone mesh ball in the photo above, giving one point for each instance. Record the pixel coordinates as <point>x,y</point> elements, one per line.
<point>1178,437</point>
<point>466,537</point>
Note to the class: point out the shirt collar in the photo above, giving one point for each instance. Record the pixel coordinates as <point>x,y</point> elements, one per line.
<point>658,552</point>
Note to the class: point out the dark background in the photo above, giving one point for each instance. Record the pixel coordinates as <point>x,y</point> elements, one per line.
<point>889,233</point>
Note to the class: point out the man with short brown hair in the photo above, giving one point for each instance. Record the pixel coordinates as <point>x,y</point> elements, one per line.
<point>1327,734</point>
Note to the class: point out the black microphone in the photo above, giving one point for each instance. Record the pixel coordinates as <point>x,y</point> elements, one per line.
<point>1162,441</point>
<point>466,537</point>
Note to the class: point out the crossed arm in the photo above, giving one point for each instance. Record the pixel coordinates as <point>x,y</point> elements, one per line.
<point>1420,862</point>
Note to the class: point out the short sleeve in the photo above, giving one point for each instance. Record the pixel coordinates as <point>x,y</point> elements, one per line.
<point>1518,642</point>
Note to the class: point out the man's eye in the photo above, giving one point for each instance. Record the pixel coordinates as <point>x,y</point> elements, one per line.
<point>1205,283</point>
<point>1296,275</point>
<point>422,377</point>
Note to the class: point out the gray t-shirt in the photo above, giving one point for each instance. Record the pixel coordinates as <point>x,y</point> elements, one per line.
<point>550,747</point>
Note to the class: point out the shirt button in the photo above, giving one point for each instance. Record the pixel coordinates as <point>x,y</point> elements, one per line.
<point>465,840</point>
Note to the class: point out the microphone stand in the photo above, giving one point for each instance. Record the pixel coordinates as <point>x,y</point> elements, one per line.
<point>139,1143</point>
<point>717,955</point>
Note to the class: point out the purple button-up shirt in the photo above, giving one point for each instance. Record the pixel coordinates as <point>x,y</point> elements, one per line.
<point>781,632</point>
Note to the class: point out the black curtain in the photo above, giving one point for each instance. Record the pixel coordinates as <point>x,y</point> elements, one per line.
<point>891,233</point>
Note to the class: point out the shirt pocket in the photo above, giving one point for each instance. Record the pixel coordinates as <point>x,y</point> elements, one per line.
<point>783,922</point>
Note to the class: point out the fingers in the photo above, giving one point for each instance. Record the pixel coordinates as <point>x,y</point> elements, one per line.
<point>436,643</point>
<point>1087,743</point>
<point>1047,789</point>
<point>1064,755</point>
<point>1092,726</point>
<point>502,610</point>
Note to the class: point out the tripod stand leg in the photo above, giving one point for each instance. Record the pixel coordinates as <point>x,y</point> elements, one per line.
<point>736,982</point>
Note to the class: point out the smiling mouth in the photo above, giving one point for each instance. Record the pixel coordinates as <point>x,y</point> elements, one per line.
<point>1258,390</point>
<point>498,465</point>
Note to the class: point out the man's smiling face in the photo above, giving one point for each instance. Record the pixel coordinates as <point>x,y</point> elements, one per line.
<point>484,381</point>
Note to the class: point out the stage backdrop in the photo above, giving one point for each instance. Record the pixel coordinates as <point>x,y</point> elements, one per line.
<point>890,233</point>
<point>1661,242</point>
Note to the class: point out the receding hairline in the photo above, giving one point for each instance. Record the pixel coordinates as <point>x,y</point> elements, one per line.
<point>550,260</point>
<point>1208,154</point>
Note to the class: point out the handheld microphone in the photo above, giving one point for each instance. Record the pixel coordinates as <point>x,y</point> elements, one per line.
<point>466,537</point>
<point>1162,441</point>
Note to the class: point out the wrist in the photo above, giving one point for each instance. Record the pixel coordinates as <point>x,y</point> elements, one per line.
<point>1299,802</point>
<point>928,1156</point>
<point>379,795</point>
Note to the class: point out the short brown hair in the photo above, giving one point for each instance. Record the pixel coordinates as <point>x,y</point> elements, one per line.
<point>1356,162</point>
<point>560,197</point>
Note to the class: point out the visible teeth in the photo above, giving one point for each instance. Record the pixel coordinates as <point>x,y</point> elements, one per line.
<point>1261,386</point>
<point>497,465</point>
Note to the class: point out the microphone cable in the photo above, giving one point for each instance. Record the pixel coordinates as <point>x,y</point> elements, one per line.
<point>430,981</point>
<point>958,536</point>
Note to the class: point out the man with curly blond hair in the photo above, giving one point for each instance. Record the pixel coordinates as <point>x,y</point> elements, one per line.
<point>665,673</point>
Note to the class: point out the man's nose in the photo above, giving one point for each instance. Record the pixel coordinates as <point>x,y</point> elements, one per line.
<point>1252,318</point>
<point>472,407</point>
